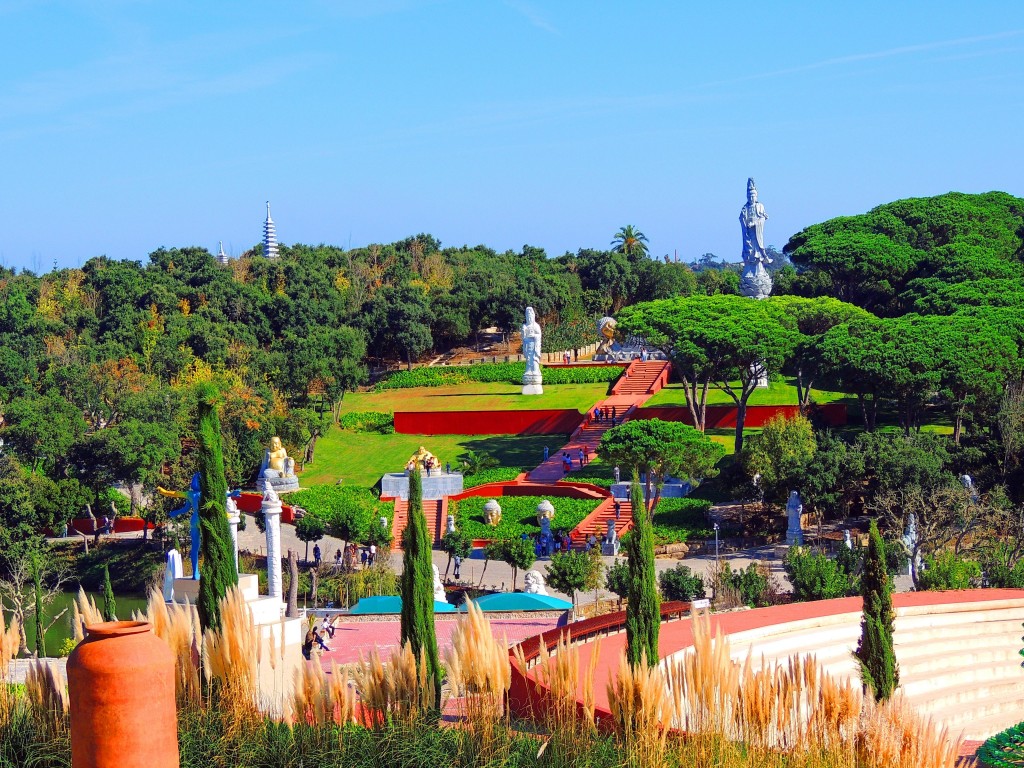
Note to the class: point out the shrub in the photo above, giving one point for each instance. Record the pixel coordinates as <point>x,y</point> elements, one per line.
<point>676,520</point>
<point>517,553</point>
<point>493,475</point>
<point>518,515</point>
<point>616,578</point>
<point>680,583</point>
<point>878,670</point>
<point>369,421</point>
<point>512,373</point>
<point>66,647</point>
<point>572,572</point>
<point>817,577</point>
<point>1002,575</point>
<point>348,512</point>
<point>948,571</point>
<point>753,584</point>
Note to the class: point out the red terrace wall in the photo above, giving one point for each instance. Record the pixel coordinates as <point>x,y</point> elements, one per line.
<point>541,422</point>
<point>554,490</point>
<point>251,503</point>
<point>121,525</point>
<point>833,414</point>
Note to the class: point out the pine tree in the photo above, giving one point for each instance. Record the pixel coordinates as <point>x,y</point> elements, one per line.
<point>417,586</point>
<point>109,603</point>
<point>643,614</point>
<point>217,571</point>
<point>879,672</point>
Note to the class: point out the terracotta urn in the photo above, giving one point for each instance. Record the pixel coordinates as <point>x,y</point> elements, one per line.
<point>123,713</point>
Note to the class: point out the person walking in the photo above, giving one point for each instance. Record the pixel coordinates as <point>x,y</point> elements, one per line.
<point>364,556</point>
<point>618,509</point>
<point>580,452</point>
<point>316,555</point>
<point>586,453</point>
<point>458,565</point>
<point>545,453</point>
<point>373,555</point>
<point>597,415</point>
<point>337,558</point>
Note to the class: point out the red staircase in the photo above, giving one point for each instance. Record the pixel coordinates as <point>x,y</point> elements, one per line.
<point>597,522</point>
<point>643,378</point>
<point>435,510</point>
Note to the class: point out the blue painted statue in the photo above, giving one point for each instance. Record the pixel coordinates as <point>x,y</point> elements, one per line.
<point>191,496</point>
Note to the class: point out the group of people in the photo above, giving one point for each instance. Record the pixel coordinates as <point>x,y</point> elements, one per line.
<point>606,415</point>
<point>544,545</point>
<point>582,455</point>
<point>353,554</point>
<point>314,640</point>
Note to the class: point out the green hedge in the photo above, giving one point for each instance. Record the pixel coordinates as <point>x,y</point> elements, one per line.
<point>493,475</point>
<point>369,421</point>
<point>1005,749</point>
<point>512,373</point>
<point>679,520</point>
<point>348,512</point>
<point>518,515</point>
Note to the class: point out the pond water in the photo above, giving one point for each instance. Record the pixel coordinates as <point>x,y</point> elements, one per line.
<point>61,630</point>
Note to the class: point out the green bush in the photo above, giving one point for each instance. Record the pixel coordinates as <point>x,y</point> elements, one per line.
<point>369,421</point>
<point>616,578</point>
<point>817,577</point>
<point>493,475</point>
<point>511,373</point>
<point>1005,749</point>
<point>67,647</point>
<point>680,583</point>
<point>948,571</point>
<point>1003,576</point>
<point>752,583</point>
<point>518,515</point>
<point>677,520</point>
<point>348,512</point>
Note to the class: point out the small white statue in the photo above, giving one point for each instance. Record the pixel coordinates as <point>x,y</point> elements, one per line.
<point>451,524</point>
<point>533,583</point>
<point>545,511</point>
<point>172,570</point>
<point>531,334</point>
<point>439,595</point>
<point>611,544</point>
<point>492,512</point>
<point>794,529</point>
<point>847,539</point>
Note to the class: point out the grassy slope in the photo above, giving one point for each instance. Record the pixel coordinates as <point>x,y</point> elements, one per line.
<point>777,393</point>
<point>362,458</point>
<point>473,396</point>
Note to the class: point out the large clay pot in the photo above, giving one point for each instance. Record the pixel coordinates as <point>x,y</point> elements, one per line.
<point>121,682</point>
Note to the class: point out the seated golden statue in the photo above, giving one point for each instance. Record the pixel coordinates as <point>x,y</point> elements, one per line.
<point>278,468</point>
<point>423,459</point>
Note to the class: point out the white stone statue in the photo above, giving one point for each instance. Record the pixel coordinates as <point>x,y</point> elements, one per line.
<point>439,595</point>
<point>755,282</point>
<point>605,336</point>
<point>847,539</point>
<point>234,518</point>
<point>617,473</point>
<point>910,542</point>
<point>794,530</point>
<point>271,508</point>
<point>173,569</point>
<point>278,468</point>
<point>533,583</point>
<point>531,333</point>
<point>611,544</point>
<point>451,523</point>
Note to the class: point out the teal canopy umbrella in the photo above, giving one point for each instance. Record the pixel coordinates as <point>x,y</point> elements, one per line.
<point>388,605</point>
<point>520,601</point>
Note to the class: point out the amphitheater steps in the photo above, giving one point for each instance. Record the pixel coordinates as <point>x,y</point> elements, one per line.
<point>433,509</point>
<point>597,521</point>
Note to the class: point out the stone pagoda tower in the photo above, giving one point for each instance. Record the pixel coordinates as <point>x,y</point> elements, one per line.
<point>269,236</point>
<point>222,257</point>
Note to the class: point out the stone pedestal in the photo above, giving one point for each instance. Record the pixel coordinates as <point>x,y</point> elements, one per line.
<point>533,384</point>
<point>438,485</point>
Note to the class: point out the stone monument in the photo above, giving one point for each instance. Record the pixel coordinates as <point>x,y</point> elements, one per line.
<point>234,518</point>
<point>605,337</point>
<point>278,469</point>
<point>531,333</point>
<point>755,282</point>
<point>847,539</point>
<point>172,570</point>
<point>545,513</point>
<point>910,542</point>
<point>611,544</point>
<point>533,583</point>
<point>794,530</point>
<point>450,523</point>
<point>492,512</point>
<point>271,508</point>
<point>439,595</point>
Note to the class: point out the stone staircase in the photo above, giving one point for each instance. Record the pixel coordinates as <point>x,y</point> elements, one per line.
<point>960,666</point>
<point>597,522</point>
<point>643,378</point>
<point>436,512</point>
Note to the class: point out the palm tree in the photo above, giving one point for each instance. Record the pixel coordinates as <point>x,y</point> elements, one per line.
<point>630,241</point>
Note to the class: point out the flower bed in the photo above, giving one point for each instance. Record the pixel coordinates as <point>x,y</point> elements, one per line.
<point>518,515</point>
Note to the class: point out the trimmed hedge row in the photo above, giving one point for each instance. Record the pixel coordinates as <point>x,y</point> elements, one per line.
<point>351,512</point>
<point>678,520</point>
<point>518,515</point>
<point>493,475</point>
<point>369,421</point>
<point>511,373</point>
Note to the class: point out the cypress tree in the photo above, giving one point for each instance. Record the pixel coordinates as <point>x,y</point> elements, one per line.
<point>879,672</point>
<point>417,586</point>
<point>643,615</point>
<point>37,587</point>
<point>109,604</point>
<point>217,570</point>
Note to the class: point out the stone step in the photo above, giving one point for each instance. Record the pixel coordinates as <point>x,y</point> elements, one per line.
<point>930,687</point>
<point>976,728</point>
<point>980,698</point>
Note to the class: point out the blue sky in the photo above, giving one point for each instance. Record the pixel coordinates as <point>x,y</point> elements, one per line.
<point>126,126</point>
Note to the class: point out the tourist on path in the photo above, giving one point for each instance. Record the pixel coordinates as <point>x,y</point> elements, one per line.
<point>580,452</point>
<point>545,453</point>
<point>316,554</point>
<point>586,453</point>
<point>458,565</point>
<point>618,509</point>
<point>597,415</point>
<point>373,555</point>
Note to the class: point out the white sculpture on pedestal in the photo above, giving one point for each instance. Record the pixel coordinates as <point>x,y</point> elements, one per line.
<point>451,523</point>
<point>611,544</point>
<point>794,530</point>
<point>492,512</point>
<point>234,518</point>
<point>533,583</point>
<point>755,282</point>
<point>173,569</point>
<point>439,595</point>
<point>271,508</point>
<point>531,333</point>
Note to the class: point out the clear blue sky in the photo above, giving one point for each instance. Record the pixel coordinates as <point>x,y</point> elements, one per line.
<point>125,126</point>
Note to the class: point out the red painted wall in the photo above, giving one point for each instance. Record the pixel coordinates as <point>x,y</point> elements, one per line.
<point>540,422</point>
<point>121,525</point>
<point>833,414</point>
<point>251,503</point>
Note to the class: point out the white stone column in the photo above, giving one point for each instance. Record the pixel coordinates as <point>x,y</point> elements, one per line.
<point>233,519</point>
<point>272,515</point>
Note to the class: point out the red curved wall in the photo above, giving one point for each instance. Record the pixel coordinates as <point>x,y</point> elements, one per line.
<point>833,414</point>
<point>251,503</point>
<point>540,422</point>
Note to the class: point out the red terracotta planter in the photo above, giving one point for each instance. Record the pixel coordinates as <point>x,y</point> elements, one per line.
<point>123,715</point>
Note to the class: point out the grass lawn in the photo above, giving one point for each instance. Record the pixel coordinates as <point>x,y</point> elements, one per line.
<point>476,396</point>
<point>777,393</point>
<point>361,458</point>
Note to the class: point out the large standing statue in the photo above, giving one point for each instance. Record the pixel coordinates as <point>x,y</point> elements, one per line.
<point>794,528</point>
<point>755,281</point>
<point>532,378</point>
<point>278,468</point>
<point>191,506</point>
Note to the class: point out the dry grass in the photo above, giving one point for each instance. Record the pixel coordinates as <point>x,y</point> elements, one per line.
<point>400,691</point>
<point>178,626</point>
<point>642,709</point>
<point>231,657</point>
<point>84,613</point>
<point>319,701</point>
<point>47,693</point>
<point>10,642</point>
